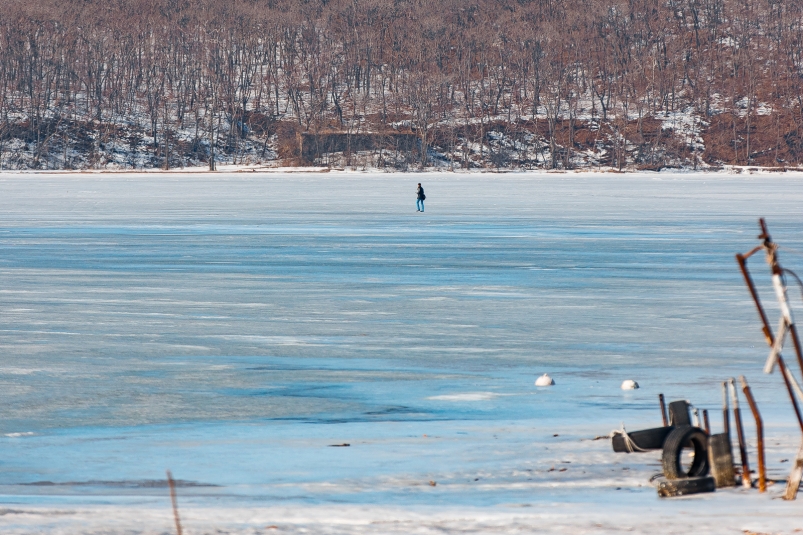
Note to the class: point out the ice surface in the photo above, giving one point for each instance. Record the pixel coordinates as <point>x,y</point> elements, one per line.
<point>233,327</point>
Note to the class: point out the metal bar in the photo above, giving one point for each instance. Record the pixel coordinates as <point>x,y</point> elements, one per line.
<point>762,468</point>
<point>737,418</point>
<point>706,422</point>
<point>765,323</point>
<point>752,251</point>
<point>764,234</point>
<point>172,485</point>
<point>663,409</point>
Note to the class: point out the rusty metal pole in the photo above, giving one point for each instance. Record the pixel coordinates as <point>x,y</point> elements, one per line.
<point>663,409</point>
<point>765,323</point>
<point>172,485</point>
<point>737,418</point>
<point>706,422</point>
<point>762,469</point>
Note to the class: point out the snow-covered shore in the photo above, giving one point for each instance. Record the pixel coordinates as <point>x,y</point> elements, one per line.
<point>271,169</point>
<point>507,479</point>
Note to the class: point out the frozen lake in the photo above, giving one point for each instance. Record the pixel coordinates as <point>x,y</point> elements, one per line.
<point>233,326</point>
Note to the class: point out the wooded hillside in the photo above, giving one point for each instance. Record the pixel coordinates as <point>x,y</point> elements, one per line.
<point>484,83</point>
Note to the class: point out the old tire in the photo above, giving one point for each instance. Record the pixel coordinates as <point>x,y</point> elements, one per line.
<point>678,439</point>
<point>646,439</point>
<point>679,413</point>
<point>682,487</point>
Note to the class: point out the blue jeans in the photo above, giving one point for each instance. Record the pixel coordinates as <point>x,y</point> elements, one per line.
<point>419,203</point>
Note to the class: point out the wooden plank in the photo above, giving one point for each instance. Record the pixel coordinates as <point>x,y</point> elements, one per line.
<point>795,476</point>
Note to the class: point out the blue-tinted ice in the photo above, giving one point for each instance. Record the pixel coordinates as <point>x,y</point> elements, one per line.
<point>232,327</point>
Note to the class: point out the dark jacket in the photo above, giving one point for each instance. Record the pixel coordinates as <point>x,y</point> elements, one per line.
<point>420,192</point>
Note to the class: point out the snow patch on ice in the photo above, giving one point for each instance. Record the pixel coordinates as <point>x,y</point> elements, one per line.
<point>467,396</point>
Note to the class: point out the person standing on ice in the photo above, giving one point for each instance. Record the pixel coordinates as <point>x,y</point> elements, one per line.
<point>419,203</point>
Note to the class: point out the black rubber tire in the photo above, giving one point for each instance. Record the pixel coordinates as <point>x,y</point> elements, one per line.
<point>679,413</point>
<point>646,439</point>
<point>682,487</point>
<point>680,437</point>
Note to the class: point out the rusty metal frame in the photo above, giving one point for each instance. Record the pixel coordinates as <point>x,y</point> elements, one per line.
<point>772,259</point>
<point>787,325</point>
<point>762,464</point>
<point>737,419</point>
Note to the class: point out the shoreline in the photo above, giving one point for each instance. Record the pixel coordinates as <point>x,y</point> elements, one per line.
<point>727,170</point>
